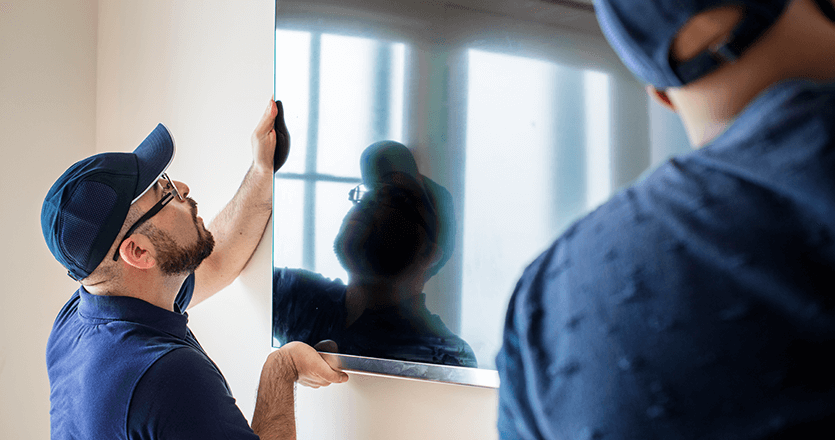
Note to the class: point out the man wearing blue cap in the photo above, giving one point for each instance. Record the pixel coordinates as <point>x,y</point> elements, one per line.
<point>122,362</point>
<point>398,235</point>
<point>697,303</point>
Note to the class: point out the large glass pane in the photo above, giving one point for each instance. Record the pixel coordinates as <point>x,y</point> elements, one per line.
<point>525,145</point>
<point>598,121</point>
<point>288,230</point>
<point>331,206</point>
<point>292,88</point>
<point>537,158</point>
<point>360,99</point>
<point>507,208</point>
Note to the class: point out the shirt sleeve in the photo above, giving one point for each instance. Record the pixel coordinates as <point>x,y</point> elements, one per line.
<point>184,396</point>
<point>515,418</point>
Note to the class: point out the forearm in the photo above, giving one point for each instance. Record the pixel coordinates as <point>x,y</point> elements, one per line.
<point>274,416</point>
<point>237,230</point>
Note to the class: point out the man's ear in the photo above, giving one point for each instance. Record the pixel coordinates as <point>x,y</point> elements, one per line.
<point>661,97</point>
<point>136,251</point>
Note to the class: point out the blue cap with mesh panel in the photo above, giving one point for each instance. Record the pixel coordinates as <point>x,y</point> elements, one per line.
<point>84,210</point>
<point>385,157</point>
<point>642,32</point>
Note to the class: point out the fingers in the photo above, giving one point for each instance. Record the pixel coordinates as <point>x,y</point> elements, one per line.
<point>265,125</point>
<point>311,370</point>
<point>316,381</point>
<point>264,139</point>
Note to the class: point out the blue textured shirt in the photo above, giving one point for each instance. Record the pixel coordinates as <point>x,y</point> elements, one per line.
<point>121,368</point>
<point>697,303</point>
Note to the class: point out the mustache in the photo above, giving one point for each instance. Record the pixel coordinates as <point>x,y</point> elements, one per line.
<point>193,204</point>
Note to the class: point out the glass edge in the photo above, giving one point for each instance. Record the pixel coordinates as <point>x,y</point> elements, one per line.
<point>448,374</point>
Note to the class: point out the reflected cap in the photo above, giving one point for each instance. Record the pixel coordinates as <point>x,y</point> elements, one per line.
<point>86,207</point>
<point>642,32</point>
<point>381,159</point>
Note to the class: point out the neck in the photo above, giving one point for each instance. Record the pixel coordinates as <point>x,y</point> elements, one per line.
<point>794,47</point>
<point>148,285</point>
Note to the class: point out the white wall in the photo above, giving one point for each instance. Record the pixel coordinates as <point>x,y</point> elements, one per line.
<point>82,76</point>
<point>204,69</point>
<point>48,108</point>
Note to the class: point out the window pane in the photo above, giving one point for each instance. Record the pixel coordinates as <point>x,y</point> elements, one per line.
<point>360,99</point>
<point>288,231</point>
<point>345,103</point>
<point>292,88</point>
<point>598,117</point>
<point>507,205</point>
<point>397,94</point>
<point>331,206</point>
<point>537,158</point>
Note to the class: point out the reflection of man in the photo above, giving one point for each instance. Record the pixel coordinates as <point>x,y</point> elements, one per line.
<point>699,302</point>
<point>396,237</point>
<point>122,362</point>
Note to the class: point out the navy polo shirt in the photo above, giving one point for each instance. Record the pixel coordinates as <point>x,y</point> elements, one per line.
<point>121,368</point>
<point>698,303</point>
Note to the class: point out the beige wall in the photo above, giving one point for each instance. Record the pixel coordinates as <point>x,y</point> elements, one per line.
<point>80,77</point>
<point>47,122</point>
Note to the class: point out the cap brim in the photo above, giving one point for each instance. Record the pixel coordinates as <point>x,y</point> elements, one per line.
<point>153,156</point>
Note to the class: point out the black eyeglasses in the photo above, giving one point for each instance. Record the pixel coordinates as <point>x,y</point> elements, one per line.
<point>166,199</point>
<point>393,197</point>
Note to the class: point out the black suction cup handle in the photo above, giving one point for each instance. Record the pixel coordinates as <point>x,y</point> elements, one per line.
<point>282,138</point>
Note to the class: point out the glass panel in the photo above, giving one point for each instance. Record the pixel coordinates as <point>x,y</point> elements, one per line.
<point>360,100</point>
<point>508,186</point>
<point>288,231</point>
<point>547,164</point>
<point>397,78</point>
<point>331,206</point>
<point>292,88</point>
<point>598,117</point>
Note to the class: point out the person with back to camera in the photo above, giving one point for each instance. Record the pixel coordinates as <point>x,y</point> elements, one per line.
<point>398,235</point>
<point>122,362</point>
<point>698,303</point>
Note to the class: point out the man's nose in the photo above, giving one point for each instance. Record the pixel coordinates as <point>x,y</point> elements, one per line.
<point>182,188</point>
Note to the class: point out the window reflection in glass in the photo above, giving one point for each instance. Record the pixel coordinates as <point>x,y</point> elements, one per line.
<point>340,94</point>
<point>537,157</point>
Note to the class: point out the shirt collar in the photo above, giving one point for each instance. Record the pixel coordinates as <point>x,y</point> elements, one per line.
<point>770,113</point>
<point>98,308</point>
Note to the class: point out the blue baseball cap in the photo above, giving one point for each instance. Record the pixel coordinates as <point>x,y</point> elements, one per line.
<point>642,31</point>
<point>86,207</point>
<point>383,158</point>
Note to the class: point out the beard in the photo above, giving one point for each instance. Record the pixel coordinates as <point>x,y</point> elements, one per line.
<point>378,248</point>
<point>176,260</point>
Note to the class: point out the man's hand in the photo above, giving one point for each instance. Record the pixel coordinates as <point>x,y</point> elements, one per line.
<point>264,140</point>
<point>308,367</point>
<point>274,416</point>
